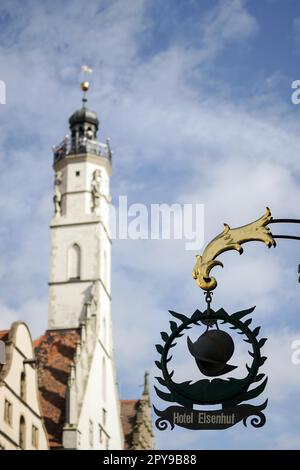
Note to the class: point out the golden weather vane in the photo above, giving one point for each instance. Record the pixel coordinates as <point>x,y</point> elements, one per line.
<point>85,84</point>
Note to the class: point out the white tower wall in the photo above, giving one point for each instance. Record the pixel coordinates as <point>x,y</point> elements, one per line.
<point>79,284</point>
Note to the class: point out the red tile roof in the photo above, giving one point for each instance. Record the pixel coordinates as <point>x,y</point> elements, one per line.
<point>55,352</point>
<point>129,410</point>
<point>4,335</point>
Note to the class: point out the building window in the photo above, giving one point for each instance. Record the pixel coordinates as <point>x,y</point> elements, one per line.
<point>23,386</point>
<point>74,262</point>
<point>8,412</point>
<point>91,433</point>
<point>104,379</point>
<point>77,173</point>
<point>35,436</point>
<point>90,133</point>
<point>22,433</point>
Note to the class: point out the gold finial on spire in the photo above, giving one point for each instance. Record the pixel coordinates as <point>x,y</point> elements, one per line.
<point>85,83</point>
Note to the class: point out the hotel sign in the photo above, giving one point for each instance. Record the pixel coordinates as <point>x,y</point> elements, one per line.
<point>216,419</point>
<point>214,348</point>
<point>211,351</point>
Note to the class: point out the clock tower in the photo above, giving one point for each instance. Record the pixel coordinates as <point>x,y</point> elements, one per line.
<point>79,327</point>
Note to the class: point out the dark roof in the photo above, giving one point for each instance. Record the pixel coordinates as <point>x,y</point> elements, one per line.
<point>84,115</point>
<point>129,409</point>
<point>55,352</point>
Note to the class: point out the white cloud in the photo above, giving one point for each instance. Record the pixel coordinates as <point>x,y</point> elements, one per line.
<point>8,316</point>
<point>31,312</point>
<point>284,376</point>
<point>228,21</point>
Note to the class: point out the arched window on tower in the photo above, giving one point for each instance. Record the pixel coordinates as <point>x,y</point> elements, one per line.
<point>23,386</point>
<point>74,262</point>
<point>22,433</point>
<point>104,378</point>
<point>89,133</point>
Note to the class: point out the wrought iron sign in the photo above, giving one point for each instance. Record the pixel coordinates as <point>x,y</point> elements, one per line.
<point>214,348</point>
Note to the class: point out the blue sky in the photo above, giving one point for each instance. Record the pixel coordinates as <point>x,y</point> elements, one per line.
<point>196,98</point>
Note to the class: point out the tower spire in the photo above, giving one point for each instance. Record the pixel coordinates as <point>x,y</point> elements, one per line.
<point>146,390</point>
<point>85,84</point>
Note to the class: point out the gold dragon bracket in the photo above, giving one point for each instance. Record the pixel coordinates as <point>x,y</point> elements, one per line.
<point>230,239</point>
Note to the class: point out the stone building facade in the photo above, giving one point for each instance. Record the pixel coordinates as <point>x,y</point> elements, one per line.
<point>21,421</point>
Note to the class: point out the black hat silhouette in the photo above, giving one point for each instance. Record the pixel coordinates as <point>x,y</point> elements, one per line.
<point>211,351</point>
